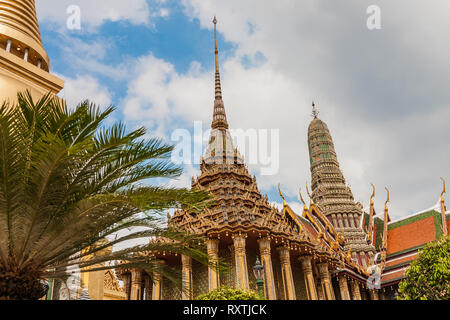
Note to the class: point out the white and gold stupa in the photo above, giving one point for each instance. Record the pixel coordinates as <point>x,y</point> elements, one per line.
<point>24,63</point>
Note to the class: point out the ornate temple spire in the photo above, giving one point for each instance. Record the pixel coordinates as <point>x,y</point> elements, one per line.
<point>219,117</point>
<point>322,156</point>
<point>331,193</point>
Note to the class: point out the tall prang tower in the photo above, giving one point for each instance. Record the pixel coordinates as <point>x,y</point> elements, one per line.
<point>24,63</point>
<point>331,193</point>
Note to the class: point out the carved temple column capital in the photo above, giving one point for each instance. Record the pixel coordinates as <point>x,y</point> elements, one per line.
<point>306,262</point>
<point>264,246</point>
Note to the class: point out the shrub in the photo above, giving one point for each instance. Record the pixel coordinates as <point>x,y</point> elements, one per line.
<point>428,277</point>
<point>227,293</point>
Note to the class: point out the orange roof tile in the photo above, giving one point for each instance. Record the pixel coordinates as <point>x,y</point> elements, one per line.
<point>411,235</point>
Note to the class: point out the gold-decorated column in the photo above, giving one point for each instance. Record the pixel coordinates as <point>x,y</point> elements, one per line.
<point>343,287</point>
<point>212,246</point>
<point>355,290</point>
<point>147,286</point>
<point>266,260</point>
<point>309,277</point>
<point>157,290</point>
<point>373,294</point>
<point>186,290</point>
<point>127,284</point>
<point>320,290</point>
<point>286,272</point>
<point>136,283</point>
<point>240,258</point>
<point>325,281</point>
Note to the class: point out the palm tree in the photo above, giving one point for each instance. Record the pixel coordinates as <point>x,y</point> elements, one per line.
<point>67,182</point>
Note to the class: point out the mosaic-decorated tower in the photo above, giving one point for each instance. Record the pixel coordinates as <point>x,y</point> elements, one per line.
<point>331,193</point>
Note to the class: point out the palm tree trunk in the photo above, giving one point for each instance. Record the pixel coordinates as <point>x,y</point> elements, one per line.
<point>20,287</point>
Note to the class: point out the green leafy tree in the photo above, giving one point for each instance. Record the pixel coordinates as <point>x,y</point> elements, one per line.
<point>428,277</point>
<point>68,182</point>
<point>227,293</point>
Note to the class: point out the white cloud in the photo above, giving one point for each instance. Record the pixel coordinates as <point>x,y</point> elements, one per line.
<point>84,87</point>
<point>95,13</point>
<point>158,95</point>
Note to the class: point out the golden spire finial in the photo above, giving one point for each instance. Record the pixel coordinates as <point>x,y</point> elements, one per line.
<point>315,112</point>
<point>387,200</point>
<point>309,194</point>
<point>443,190</point>
<point>215,41</point>
<point>219,117</point>
<point>281,195</point>
<point>373,194</point>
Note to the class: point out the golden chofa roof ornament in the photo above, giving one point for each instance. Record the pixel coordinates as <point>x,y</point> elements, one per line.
<point>305,208</point>
<point>443,210</point>
<point>373,194</point>
<point>371,214</point>
<point>387,219</point>
<point>301,197</point>
<point>386,202</point>
<point>281,195</point>
<point>19,28</point>
<point>309,194</point>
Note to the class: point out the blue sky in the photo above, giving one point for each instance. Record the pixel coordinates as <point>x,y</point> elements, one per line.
<point>176,39</point>
<point>384,94</point>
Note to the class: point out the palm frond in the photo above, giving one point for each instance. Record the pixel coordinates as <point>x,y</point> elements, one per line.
<point>68,182</point>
